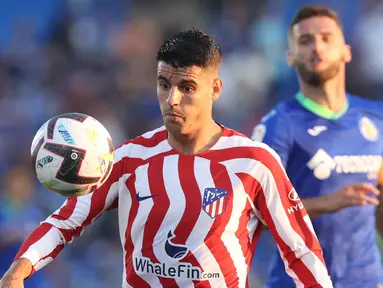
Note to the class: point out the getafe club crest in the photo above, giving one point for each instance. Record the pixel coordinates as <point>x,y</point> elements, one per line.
<point>368,129</point>
<point>259,132</point>
<point>214,201</point>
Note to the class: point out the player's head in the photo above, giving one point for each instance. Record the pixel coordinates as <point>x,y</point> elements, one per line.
<point>317,46</point>
<point>187,80</point>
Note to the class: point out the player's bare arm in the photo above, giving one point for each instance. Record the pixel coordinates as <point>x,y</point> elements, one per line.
<point>379,210</point>
<point>350,195</point>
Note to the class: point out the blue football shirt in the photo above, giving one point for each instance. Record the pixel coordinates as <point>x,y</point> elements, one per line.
<point>323,151</point>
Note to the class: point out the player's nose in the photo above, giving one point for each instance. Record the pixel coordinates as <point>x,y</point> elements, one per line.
<point>317,46</point>
<point>174,97</point>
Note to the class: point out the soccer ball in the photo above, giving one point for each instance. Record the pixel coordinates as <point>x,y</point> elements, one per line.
<point>72,154</point>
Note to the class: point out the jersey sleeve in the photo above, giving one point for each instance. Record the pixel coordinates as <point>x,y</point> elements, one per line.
<point>284,214</point>
<point>274,131</point>
<point>69,221</point>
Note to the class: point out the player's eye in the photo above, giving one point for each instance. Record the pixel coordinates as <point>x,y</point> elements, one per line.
<point>188,89</point>
<point>305,40</point>
<point>164,85</point>
<point>326,38</point>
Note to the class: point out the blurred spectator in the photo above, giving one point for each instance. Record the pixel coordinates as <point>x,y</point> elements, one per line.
<point>19,215</point>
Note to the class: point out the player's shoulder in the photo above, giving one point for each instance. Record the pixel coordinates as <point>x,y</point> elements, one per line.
<point>278,121</point>
<point>288,106</point>
<point>141,144</point>
<point>369,107</point>
<point>247,147</point>
<point>282,110</point>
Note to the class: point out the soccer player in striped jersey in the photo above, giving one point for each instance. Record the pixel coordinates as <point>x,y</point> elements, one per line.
<point>191,195</point>
<point>331,145</point>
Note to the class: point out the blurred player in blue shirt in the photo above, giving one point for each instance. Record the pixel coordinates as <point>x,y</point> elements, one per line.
<point>331,144</point>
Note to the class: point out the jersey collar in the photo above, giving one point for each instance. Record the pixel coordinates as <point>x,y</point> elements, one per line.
<point>318,109</point>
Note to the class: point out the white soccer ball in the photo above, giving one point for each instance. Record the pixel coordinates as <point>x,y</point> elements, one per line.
<point>72,154</point>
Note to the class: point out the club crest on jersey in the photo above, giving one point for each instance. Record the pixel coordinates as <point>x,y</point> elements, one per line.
<point>368,129</point>
<point>214,201</point>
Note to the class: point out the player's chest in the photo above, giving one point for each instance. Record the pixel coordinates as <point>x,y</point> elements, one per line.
<point>180,190</point>
<point>349,134</point>
<point>353,146</point>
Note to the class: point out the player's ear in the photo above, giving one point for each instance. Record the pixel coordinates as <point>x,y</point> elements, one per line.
<point>217,88</point>
<point>290,58</point>
<point>347,54</point>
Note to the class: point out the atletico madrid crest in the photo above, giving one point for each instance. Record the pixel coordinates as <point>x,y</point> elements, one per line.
<point>214,201</point>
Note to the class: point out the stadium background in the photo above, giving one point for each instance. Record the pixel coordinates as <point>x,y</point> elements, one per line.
<point>98,57</point>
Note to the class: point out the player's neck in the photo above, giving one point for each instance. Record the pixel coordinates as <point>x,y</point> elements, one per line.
<point>331,96</point>
<point>198,141</point>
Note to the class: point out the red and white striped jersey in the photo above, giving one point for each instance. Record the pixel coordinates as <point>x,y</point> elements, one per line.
<point>189,221</point>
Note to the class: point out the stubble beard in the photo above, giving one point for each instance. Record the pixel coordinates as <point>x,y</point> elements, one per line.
<point>318,78</point>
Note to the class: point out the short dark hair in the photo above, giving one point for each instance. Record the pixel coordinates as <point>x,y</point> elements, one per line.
<point>190,47</point>
<point>307,12</point>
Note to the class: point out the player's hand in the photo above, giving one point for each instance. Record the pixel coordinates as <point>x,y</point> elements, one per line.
<point>353,195</point>
<point>14,277</point>
<point>9,282</point>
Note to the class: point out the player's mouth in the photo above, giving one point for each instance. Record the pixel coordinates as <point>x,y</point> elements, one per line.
<point>173,116</point>
<point>316,61</point>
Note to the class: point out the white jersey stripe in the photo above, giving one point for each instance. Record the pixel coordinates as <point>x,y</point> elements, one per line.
<point>174,212</point>
<point>252,226</point>
<point>132,150</point>
<point>137,232</point>
<point>309,224</point>
<point>228,237</point>
<point>233,142</point>
<point>43,248</point>
<point>124,200</point>
<point>173,215</point>
<point>150,134</point>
